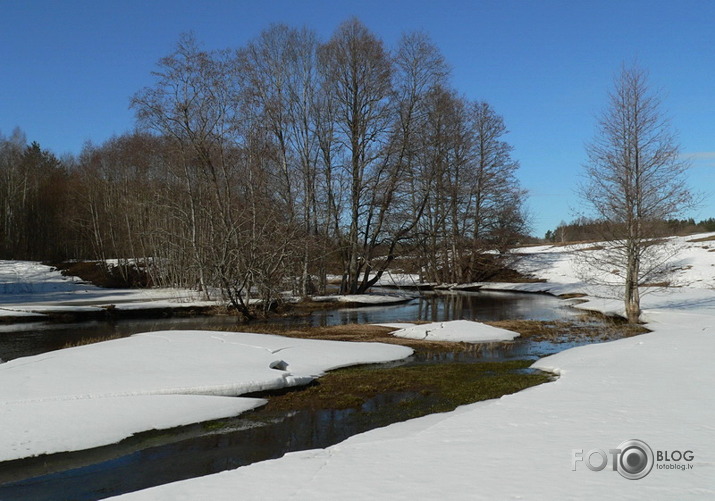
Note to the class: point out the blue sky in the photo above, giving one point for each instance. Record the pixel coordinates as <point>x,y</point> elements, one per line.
<point>68,68</point>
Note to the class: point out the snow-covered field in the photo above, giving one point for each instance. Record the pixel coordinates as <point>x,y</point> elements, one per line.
<point>536,444</point>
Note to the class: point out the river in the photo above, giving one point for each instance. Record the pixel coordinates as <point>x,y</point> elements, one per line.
<point>159,457</point>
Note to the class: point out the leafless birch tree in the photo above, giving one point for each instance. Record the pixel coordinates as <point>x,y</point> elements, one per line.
<point>635,181</point>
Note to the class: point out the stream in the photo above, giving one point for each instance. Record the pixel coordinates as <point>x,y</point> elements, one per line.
<point>159,457</point>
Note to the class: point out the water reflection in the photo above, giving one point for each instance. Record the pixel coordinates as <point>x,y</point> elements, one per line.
<point>439,307</point>
<point>202,454</point>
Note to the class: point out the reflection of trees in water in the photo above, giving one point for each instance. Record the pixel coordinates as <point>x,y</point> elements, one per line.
<point>468,352</point>
<point>445,307</point>
<point>441,308</point>
<point>482,307</point>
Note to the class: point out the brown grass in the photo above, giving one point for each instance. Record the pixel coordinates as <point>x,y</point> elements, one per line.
<point>592,248</point>
<point>589,327</point>
<point>572,295</point>
<point>575,242</point>
<point>352,332</point>
<point>91,340</point>
<point>704,239</point>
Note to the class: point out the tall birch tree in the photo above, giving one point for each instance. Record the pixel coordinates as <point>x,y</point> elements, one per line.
<point>635,180</point>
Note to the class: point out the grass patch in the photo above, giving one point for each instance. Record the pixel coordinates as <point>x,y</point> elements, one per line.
<point>420,389</point>
<point>91,340</point>
<point>590,327</point>
<point>572,295</point>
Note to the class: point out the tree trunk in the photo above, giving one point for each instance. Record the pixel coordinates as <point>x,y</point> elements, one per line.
<point>632,294</point>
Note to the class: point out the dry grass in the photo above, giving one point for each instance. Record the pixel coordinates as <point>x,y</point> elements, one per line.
<point>589,327</point>
<point>704,239</point>
<point>575,242</point>
<point>351,332</point>
<point>433,388</point>
<point>572,295</point>
<point>592,248</point>
<point>91,340</point>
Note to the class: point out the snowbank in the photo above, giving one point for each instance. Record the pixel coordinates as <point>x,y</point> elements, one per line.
<point>364,299</point>
<point>456,331</point>
<point>31,428</point>
<point>656,387</point>
<point>98,394</point>
<point>31,289</point>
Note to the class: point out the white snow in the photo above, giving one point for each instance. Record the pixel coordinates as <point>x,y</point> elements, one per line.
<point>31,428</point>
<point>396,325</point>
<point>656,387</point>
<point>98,394</point>
<point>366,299</point>
<point>33,289</point>
<point>402,280</point>
<point>456,331</point>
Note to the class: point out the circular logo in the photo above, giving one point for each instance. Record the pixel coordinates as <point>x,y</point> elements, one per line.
<point>635,460</point>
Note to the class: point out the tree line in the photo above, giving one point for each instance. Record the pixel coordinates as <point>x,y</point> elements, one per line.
<point>585,229</point>
<point>283,161</point>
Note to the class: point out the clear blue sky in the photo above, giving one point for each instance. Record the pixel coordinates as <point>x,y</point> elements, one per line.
<point>68,68</point>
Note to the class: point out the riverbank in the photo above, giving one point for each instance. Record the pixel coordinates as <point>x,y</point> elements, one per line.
<point>35,292</point>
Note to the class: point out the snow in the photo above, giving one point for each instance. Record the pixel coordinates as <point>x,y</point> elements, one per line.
<point>364,299</point>
<point>406,280</point>
<point>396,325</point>
<point>31,289</point>
<point>98,394</point>
<point>456,331</point>
<point>31,428</point>
<point>656,387</point>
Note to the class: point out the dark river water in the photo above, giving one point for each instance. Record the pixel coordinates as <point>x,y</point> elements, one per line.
<point>21,340</point>
<point>159,457</point>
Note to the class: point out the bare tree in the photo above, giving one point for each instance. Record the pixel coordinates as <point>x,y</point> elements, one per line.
<point>358,72</point>
<point>187,106</point>
<point>280,68</point>
<point>443,145</point>
<point>260,167</point>
<point>474,203</point>
<point>233,223</point>
<point>635,180</point>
